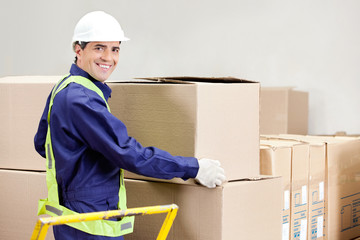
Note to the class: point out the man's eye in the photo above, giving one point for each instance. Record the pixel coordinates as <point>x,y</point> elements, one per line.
<point>99,48</point>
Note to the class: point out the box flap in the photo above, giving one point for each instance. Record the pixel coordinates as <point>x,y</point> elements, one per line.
<point>279,141</point>
<point>135,80</point>
<point>187,79</point>
<point>255,178</point>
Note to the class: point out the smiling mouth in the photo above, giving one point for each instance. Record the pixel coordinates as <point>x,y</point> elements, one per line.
<point>104,67</point>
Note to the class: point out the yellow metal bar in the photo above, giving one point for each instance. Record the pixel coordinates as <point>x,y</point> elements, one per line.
<point>165,228</point>
<point>40,230</point>
<point>43,224</point>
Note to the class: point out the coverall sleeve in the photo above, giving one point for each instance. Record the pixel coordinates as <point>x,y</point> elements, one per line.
<point>104,133</point>
<point>40,136</point>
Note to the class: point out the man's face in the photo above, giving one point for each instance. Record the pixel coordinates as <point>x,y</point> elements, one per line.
<point>99,59</point>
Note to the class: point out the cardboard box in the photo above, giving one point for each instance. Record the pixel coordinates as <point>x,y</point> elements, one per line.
<point>237,210</point>
<point>316,226</point>
<point>20,192</point>
<point>342,197</point>
<point>22,101</point>
<point>275,160</point>
<point>202,119</point>
<point>317,191</point>
<point>215,118</point>
<point>283,110</point>
<point>299,186</point>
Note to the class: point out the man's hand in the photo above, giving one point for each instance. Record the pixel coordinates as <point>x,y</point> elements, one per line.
<point>210,173</point>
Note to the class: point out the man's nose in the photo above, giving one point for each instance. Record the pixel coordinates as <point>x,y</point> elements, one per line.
<point>106,56</point>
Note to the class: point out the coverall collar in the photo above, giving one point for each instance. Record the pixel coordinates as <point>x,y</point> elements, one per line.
<point>76,71</point>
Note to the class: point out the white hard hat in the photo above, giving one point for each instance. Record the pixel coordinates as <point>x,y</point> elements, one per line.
<point>98,26</point>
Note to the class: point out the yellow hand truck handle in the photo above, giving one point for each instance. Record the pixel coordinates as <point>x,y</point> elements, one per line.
<point>43,224</point>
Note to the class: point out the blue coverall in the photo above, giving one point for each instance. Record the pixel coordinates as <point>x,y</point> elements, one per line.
<point>90,145</point>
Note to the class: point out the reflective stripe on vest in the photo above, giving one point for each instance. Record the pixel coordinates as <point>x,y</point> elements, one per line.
<point>51,205</point>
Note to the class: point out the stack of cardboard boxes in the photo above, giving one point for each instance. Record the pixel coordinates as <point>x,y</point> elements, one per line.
<point>327,172</point>
<point>332,167</point>
<point>303,208</point>
<point>317,196</point>
<point>203,117</point>
<point>22,177</point>
<point>215,118</point>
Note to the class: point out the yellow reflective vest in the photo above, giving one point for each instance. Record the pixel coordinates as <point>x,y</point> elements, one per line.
<point>51,205</point>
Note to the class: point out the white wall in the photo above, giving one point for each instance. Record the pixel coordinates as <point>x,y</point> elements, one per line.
<point>313,45</point>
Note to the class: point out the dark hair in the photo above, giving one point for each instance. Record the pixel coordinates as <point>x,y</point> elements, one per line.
<point>82,46</point>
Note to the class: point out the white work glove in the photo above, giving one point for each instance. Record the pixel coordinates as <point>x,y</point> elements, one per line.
<point>210,173</point>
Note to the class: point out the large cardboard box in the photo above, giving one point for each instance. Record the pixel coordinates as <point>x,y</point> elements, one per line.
<point>275,160</point>
<point>202,119</point>
<point>342,196</point>
<point>283,110</point>
<point>214,117</point>
<point>317,191</point>
<point>20,192</point>
<point>237,210</point>
<point>22,101</point>
<point>299,186</point>
<point>316,226</point>
<point>240,208</point>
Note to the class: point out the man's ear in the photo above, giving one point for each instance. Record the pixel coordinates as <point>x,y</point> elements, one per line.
<point>78,50</point>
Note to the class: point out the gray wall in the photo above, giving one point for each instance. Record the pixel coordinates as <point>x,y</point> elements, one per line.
<point>313,45</point>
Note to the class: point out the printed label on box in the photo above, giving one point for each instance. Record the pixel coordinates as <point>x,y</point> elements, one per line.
<point>303,231</point>
<point>321,191</point>
<point>286,200</point>
<point>350,212</point>
<point>320,226</point>
<point>285,231</point>
<point>304,194</point>
<point>316,215</point>
<point>298,228</point>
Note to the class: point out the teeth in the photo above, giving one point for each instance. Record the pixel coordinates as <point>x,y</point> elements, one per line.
<point>104,66</point>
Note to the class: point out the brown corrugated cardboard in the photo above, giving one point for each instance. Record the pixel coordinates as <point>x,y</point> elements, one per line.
<point>299,191</point>
<point>342,196</point>
<point>203,119</point>
<point>236,210</point>
<point>22,100</point>
<point>239,208</point>
<point>215,118</point>
<point>275,160</point>
<point>20,192</point>
<point>299,186</point>
<point>316,227</point>
<point>316,191</point>
<point>283,110</point>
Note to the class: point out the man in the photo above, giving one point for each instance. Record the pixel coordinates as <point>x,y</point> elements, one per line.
<point>88,147</point>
